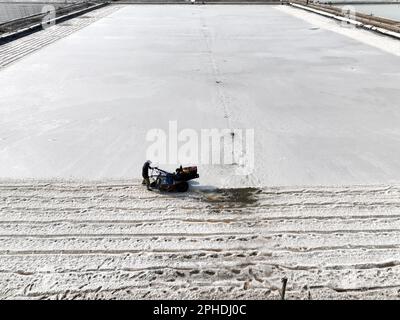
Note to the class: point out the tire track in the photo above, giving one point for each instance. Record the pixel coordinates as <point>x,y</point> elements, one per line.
<point>101,239</point>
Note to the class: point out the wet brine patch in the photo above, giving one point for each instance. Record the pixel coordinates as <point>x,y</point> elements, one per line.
<point>232,197</point>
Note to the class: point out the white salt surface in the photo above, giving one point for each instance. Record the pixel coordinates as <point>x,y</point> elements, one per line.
<point>324,106</point>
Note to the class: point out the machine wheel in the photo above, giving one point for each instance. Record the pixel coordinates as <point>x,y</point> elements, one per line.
<point>158,183</point>
<point>182,186</point>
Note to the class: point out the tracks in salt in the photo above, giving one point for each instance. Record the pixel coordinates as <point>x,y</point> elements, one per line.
<point>71,239</point>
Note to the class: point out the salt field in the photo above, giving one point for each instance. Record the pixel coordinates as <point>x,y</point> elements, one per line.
<point>314,98</point>
<point>321,206</point>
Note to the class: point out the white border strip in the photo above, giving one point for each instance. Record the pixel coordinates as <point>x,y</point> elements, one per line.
<point>354,22</point>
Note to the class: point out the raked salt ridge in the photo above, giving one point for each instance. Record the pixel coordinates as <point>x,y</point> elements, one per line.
<point>323,105</point>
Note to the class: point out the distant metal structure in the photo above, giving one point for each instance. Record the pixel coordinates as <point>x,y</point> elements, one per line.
<point>27,24</point>
<point>199,2</point>
<point>12,10</point>
<point>371,22</point>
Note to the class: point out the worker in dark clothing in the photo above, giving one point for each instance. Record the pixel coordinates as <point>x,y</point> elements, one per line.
<point>145,174</point>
